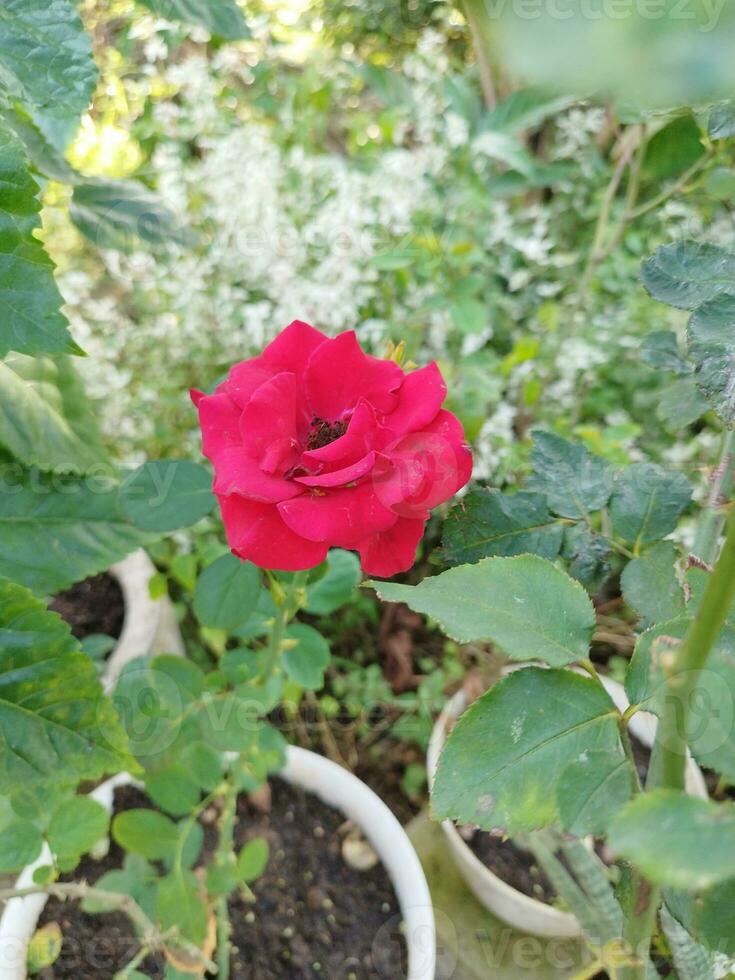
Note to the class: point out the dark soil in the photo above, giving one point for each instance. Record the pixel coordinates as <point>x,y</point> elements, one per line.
<point>517,867</point>
<point>315,917</point>
<point>512,864</point>
<point>96,946</point>
<point>94,605</point>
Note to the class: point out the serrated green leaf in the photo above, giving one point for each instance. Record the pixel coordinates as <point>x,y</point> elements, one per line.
<point>227,593</point>
<point>713,921</point>
<point>119,214</point>
<point>253,859</point>
<point>650,585</point>
<point>58,530</point>
<point>575,482</point>
<point>31,321</point>
<point>528,606</point>
<point>53,715</point>
<point>76,826</point>
<point>45,420</point>
<point>163,495</point>
<point>647,503</point>
<point>222,18</point>
<point>677,841</point>
<point>722,121</point>
<point>660,349</point>
<point>306,662</point>
<point>47,64</point>
<point>488,523</point>
<point>502,761</point>
<point>335,587</point>
<point>148,833</point>
<point>711,717</point>
<point>20,843</point>
<point>588,554</point>
<point>711,338</point>
<point>681,404</point>
<point>688,273</point>
<point>590,791</point>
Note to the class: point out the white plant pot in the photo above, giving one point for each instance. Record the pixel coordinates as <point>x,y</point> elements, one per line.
<point>149,625</point>
<point>336,787</point>
<point>507,903</point>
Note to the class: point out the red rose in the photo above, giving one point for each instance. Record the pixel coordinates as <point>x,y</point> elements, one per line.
<point>316,444</point>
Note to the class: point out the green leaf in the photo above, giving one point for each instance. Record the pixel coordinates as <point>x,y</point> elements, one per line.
<point>227,593</point>
<point>647,503</point>
<point>711,338</point>
<point>58,530</point>
<point>681,404</point>
<point>711,717</point>
<point>502,761</point>
<point>526,108</point>
<point>650,585</point>
<point>488,522</point>
<point>148,833</point>
<point>175,790</point>
<point>306,662</point>
<point>76,826</point>
<point>204,765</point>
<point>252,859</point>
<point>45,420</point>
<point>588,554</point>
<point>46,64</point>
<point>30,301</point>
<point>673,149</point>
<point>722,121</point>
<point>526,605</point>
<point>713,919</point>
<point>335,587</point>
<point>677,841</point>
<point>166,494</point>
<point>136,878</point>
<point>574,481</point>
<point>591,789</point>
<point>222,18</point>
<point>53,715</point>
<point>688,273</point>
<point>20,843</point>
<point>120,213</point>
<point>660,349</point>
<point>180,907</point>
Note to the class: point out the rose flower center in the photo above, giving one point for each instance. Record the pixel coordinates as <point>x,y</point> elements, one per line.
<point>323,432</point>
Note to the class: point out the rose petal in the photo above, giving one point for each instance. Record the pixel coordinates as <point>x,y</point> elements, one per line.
<point>423,469</point>
<point>238,472</point>
<point>419,399</point>
<point>360,437</point>
<point>338,478</point>
<point>245,378</point>
<point>339,375</point>
<point>219,419</point>
<point>256,532</point>
<point>340,517</point>
<point>269,427</point>
<point>394,550</point>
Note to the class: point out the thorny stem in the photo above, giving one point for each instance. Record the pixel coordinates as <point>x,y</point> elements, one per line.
<point>224,850</point>
<point>151,937</point>
<point>713,517</point>
<point>668,762</point>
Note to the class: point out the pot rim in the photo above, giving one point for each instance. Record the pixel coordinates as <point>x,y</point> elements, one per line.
<point>336,787</point>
